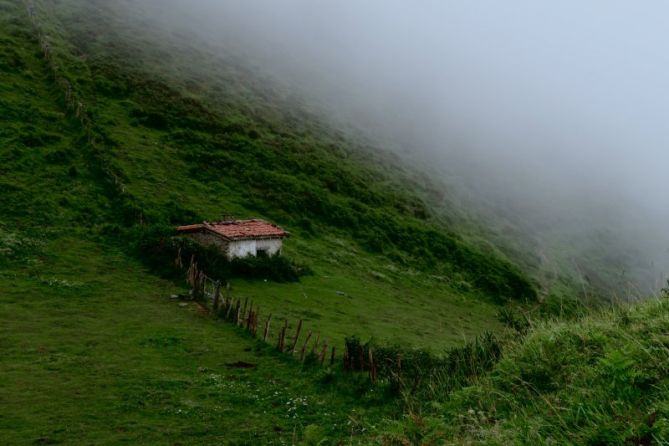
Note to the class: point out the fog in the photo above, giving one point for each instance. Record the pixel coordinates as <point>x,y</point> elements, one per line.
<point>558,107</point>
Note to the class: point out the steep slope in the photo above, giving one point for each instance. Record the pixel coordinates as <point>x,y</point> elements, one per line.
<point>598,381</point>
<point>92,349</point>
<point>97,142</point>
<point>94,150</point>
<point>377,201</point>
<point>182,157</point>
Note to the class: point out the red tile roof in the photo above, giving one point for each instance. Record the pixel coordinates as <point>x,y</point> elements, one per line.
<point>238,229</point>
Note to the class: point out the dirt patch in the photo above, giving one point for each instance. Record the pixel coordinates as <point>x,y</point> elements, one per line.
<point>241,365</point>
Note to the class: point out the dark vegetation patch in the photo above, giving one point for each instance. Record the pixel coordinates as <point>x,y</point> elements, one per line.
<point>160,249</point>
<point>241,365</point>
<point>420,375</point>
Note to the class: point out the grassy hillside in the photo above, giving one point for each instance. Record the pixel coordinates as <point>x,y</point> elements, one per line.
<point>108,135</point>
<point>183,155</point>
<point>93,348</point>
<point>599,381</point>
<point>98,141</point>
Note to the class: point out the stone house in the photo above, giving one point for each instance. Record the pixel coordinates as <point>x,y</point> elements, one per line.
<point>238,238</point>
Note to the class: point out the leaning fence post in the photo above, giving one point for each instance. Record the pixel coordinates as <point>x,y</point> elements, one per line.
<point>372,367</point>
<point>304,346</point>
<point>315,346</point>
<point>282,335</point>
<point>254,322</point>
<point>248,317</point>
<point>228,313</point>
<point>238,311</point>
<point>217,295</point>
<point>246,301</point>
<point>266,332</point>
<point>323,351</point>
<point>297,335</point>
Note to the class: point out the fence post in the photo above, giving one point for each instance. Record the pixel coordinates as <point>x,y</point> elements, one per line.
<point>217,295</point>
<point>282,335</point>
<point>323,351</point>
<point>228,313</point>
<point>266,332</point>
<point>246,301</point>
<point>315,346</point>
<point>248,317</point>
<point>297,335</point>
<point>372,367</point>
<point>237,311</point>
<point>254,322</point>
<point>345,357</point>
<point>304,346</point>
<point>332,356</point>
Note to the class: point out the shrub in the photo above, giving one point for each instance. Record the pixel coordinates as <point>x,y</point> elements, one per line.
<point>420,374</point>
<point>159,248</point>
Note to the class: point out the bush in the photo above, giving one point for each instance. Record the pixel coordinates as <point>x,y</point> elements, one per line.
<point>420,374</point>
<point>159,248</point>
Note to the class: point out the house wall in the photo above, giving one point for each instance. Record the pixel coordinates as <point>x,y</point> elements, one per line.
<point>271,246</point>
<point>241,248</point>
<point>209,239</point>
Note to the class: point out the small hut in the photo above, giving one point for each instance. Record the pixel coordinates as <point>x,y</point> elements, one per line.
<point>238,238</point>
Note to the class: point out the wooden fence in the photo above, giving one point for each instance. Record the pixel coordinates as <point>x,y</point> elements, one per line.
<point>246,315</point>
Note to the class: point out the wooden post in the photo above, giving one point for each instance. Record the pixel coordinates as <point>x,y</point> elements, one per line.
<point>304,346</point>
<point>315,346</point>
<point>249,317</point>
<point>246,301</point>
<point>266,332</point>
<point>372,367</point>
<point>217,295</point>
<point>238,310</point>
<point>256,315</point>
<point>332,356</point>
<point>282,335</point>
<point>297,335</point>
<point>323,351</point>
<point>229,312</point>
<point>347,362</point>
<point>177,262</point>
<point>254,322</point>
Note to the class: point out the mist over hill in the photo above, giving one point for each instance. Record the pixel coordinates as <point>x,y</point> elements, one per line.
<point>523,116</point>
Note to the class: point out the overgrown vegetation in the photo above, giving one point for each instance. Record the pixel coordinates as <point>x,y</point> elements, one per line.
<point>167,254</point>
<point>600,381</point>
<point>418,375</point>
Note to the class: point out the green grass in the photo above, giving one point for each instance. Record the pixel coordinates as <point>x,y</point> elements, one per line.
<point>92,348</point>
<point>59,185</point>
<point>184,157</point>
<point>599,381</point>
<point>96,352</point>
<point>353,293</point>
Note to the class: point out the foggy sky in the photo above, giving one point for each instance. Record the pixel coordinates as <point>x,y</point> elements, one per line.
<point>572,90</point>
<point>563,101</point>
